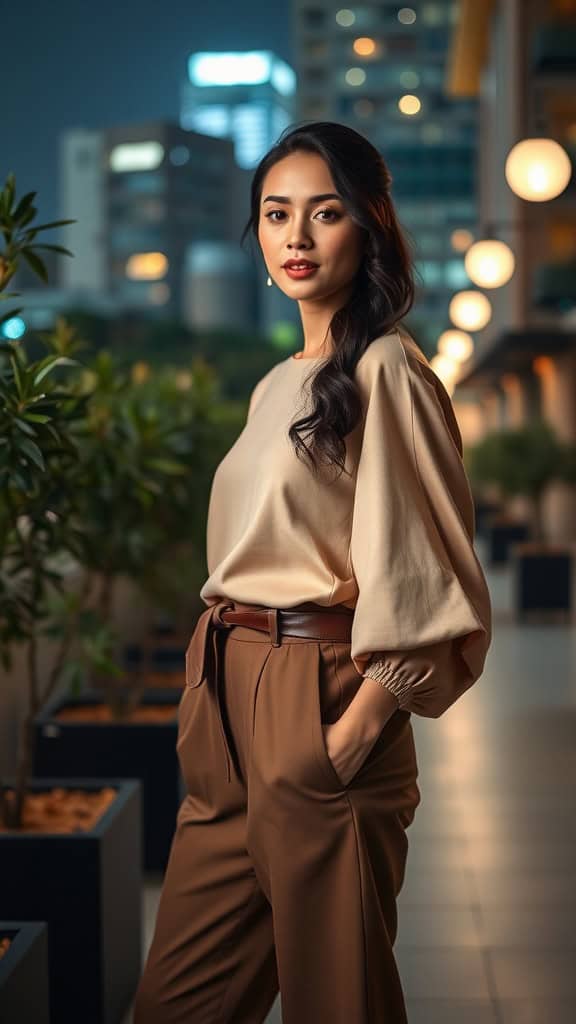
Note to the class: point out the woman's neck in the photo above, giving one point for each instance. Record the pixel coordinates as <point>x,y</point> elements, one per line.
<point>316,316</point>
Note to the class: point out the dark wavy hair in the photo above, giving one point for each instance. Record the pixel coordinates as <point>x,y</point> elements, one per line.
<point>384,285</point>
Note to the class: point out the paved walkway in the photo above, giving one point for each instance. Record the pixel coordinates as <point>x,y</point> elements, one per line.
<point>487,913</point>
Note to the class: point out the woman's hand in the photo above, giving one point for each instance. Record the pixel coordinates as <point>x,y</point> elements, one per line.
<point>347,756</point>
<point>351,738</point>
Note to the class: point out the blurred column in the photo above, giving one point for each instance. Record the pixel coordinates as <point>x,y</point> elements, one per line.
<point>557,375</point>
<point>491,404</point>
<point>515,400</point>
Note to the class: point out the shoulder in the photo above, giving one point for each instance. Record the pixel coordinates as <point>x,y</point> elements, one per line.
<point>392,357</point>
<point>268,376</point>
<point>261,386</point>
<point>394,368</point>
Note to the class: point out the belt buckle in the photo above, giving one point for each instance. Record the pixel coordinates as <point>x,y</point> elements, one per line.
<point>272,614</point>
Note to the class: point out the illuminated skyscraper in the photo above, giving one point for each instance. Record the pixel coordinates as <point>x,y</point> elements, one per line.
<point>247,97</point>
<point>381,68</point>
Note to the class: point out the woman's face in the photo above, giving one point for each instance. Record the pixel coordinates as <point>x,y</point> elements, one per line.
<point>302,217</point>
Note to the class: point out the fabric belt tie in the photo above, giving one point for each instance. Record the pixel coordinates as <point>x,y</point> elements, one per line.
<point>204,655</point>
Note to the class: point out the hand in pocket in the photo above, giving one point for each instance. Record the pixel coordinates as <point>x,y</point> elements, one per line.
<point>345,750</point>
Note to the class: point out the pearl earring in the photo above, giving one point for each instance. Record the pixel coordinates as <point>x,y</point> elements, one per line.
<point>269,281</point>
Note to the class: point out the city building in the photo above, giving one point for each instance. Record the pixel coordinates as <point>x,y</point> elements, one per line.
<point>144,197</point>
<point>244,96</point>
<point>165,189</point>
<point>249,97</point>
<point>380,68</point>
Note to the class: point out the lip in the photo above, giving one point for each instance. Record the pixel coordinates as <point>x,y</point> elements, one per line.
<point>294,263</point>
<point>307,269</point>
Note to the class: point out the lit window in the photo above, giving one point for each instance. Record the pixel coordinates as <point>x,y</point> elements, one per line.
<point>355,76</point>
<point>136,156</point>
<point>146,266</point>
<point>364,46</point>
<point>345,18</point>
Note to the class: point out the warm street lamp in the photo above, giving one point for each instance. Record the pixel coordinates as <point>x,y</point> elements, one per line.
<point>538,169</point>
<point>489,263</point>
<point>455,345</point>
<point>470,310</point>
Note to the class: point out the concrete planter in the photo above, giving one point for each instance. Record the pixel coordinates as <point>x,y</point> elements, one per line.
<point>86,886</point>
<point>544,579</point>
<point>134,750</point>
<point>24,993</point>
<point>500,535</point>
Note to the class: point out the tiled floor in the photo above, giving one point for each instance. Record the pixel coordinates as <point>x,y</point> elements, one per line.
<point>487,931</point>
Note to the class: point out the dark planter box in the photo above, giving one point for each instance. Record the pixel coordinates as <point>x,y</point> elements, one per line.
<point>168,661</point>
<point>87,887</point>
<point>484,512</point>
<point>134,750</point>
<point>543,578</point>
<point>500,536</point>
<point>24,973</point>
<point>168,657</point>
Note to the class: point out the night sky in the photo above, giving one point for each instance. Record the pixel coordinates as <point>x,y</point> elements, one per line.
<point>70,65</point>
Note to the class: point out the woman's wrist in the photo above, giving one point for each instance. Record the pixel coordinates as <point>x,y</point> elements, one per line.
<point>370,709</point>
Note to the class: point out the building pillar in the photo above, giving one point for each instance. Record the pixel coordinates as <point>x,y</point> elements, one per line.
<point>557,375</point>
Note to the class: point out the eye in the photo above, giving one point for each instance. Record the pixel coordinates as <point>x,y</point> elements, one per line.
<point>333,214</point>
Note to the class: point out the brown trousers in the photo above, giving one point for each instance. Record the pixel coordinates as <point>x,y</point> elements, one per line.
<point>281,877</point>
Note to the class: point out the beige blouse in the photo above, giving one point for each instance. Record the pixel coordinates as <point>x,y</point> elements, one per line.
<point>391,538</point>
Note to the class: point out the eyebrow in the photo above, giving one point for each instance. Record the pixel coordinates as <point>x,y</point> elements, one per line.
<point>312,199</point>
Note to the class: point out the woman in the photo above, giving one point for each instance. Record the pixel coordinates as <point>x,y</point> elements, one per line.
<point>344,594</point>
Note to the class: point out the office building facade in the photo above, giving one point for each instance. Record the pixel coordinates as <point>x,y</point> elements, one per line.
<point>380,68</point>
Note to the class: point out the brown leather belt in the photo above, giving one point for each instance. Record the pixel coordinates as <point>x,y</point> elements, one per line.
<point>203,656</point>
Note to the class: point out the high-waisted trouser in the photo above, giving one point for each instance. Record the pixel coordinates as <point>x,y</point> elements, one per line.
<point>280,876</point>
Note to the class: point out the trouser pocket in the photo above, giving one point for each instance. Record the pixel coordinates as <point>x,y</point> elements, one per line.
<point>337,685</point>
<point>338,682</point>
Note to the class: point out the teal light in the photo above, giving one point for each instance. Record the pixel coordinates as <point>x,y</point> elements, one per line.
<point>13,328</point>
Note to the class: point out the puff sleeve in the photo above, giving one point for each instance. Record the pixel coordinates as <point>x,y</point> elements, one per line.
<point>422,620</point>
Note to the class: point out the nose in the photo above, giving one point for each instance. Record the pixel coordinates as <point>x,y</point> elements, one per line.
<point>297,238</point>
<point>298,244</point>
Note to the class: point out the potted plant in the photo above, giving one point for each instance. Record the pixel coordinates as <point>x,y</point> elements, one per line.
<point>24,984</point>
<point>524,462</point>
<point>170,584</point>
<point>134,502</point>
<point>70,849</point>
